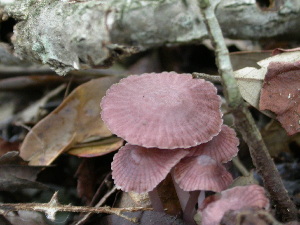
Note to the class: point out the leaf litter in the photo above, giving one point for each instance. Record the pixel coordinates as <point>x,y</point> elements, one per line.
<point>281,94</point>
<point>76,120</point>
<point>15,173</point>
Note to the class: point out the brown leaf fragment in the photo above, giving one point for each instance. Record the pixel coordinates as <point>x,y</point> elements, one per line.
<point>97,148</point>
<point>281,94</point>
<point>277,140</point>
<point>93,174</point>
<point>16,174</point>
<point>76,120</point>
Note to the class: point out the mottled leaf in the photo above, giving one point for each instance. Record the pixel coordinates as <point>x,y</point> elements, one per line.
<point>76,120</point>
<point>281,94</point>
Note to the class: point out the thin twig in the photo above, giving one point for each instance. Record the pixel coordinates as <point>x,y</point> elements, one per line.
<point>244,121</point>
<point>240,166</point>
<point>208,77</point>
<point>54,206</point>
<point>100,203</point>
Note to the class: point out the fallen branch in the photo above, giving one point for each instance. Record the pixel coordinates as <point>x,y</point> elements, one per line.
<point>53,206</point>
<point>68,35</point>
<point>244,122</point>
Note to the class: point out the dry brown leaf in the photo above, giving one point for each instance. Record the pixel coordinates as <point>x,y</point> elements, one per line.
<point>74,121</point>
<point>97,148</point>
<point>281,94</point>
<point>250,79</point>
<point>277,140</point>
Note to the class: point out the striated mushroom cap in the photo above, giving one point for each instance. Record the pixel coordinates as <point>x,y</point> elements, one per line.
<point>201,173</point>
<point>139,169</point>
<point>165,110</point>
<point>233,199</point>
<point>221,148</point>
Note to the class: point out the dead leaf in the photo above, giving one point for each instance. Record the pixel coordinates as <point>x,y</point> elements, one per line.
<point>32,113</point>
<point>250,79</point>
<point>240,60</point>
<point>16,174</point>
<point>276,138</point>
<point>91,175</point>
<point>74,121</point>
<point>97,148</point>
<point>281,94</point>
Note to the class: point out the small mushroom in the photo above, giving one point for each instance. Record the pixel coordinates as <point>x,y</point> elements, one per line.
<point>139,169</point>
<point>202,169</point>
<point>235,198</point>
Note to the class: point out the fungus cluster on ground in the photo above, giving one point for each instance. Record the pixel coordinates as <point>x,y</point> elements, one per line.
<point>172,124</point>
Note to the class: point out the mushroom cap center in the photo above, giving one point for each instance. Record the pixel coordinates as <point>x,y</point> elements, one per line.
<point>170,97</point>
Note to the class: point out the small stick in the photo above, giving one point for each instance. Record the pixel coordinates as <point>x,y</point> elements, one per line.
<point>211,78</point>
<point>100,203</point>
<point>54,206</point>
<point>240,166</point>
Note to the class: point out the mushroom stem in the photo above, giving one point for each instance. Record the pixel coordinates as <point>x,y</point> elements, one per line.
<point>201,198</point>
<point>155,201</point>
<point>190,209</point>
<point>188,201</point>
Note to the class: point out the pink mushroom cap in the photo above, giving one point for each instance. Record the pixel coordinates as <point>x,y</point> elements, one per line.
<point>221,148</point>
<point>201,173</point>
<point>233,199</point>
<point>139,169</point>
<point>165,110</point>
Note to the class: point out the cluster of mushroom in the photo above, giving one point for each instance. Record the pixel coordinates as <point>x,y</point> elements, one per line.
<point>172,123</point>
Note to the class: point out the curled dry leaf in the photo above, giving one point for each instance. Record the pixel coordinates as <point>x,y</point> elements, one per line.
<point>250,79</point>
<point>75,120</point>
<point>281,94</point>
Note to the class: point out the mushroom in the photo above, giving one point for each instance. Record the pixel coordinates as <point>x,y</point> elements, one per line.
<point>163,117</point>
<point>165,110</point>
<point>214,207</point>
<point>202,169</point>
